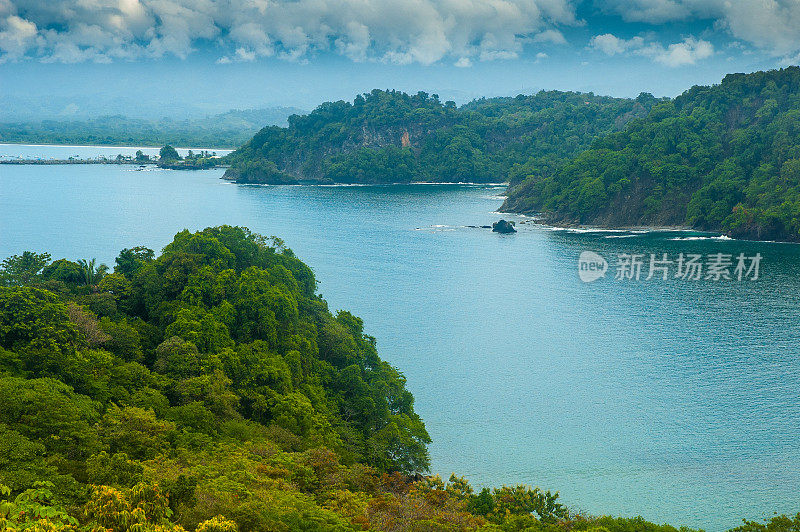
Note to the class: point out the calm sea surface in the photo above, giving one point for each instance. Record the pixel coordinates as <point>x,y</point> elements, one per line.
<point>676,400</point>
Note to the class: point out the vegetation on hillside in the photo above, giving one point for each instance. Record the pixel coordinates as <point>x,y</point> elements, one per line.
<point>724,157</point>
<point>393,137</point>
<point>226,130</point>
<point>211,389</point>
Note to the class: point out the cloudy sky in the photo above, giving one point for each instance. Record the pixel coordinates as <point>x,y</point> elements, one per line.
<point>79,55</point>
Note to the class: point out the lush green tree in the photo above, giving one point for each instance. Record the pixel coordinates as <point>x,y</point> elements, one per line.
<point>779,523</point>
<point>50,412</point>
<point>65,271</point>
<point>34,509</point>
<point>22,461</point>
<point>113,469</point>
<point>168,153</point>
<point>35,323</point>
<point>22,269</point>
<point>93,273</point>
<point>135,432</point>
<point>130,260</point>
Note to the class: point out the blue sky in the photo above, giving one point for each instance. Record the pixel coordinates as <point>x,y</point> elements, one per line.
<point>76,57</point>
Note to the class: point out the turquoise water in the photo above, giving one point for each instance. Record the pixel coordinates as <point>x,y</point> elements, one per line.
<point>675,400</point>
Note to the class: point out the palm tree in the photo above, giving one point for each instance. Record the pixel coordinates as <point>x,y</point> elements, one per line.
<point>92,274</point>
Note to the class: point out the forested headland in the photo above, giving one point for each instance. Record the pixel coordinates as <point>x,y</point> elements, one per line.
<point>723,158</point>
<point>394,137</point>
<point>210,388</point>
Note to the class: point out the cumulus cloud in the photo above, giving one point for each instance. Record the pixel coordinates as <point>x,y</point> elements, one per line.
<point>768,24</point>
<point>652,11</point>
<point>551,36</point>
<point>771,25</point>
<point>610,44</point>
<point>686,52</point>
<point>16,36</point>
<point>419,31</point>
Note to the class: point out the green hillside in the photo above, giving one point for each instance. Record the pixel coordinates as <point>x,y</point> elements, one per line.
<point>393,137</point>
<point>725,157</point>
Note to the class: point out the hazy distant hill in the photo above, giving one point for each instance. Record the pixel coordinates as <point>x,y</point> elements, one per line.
<point>226,130</point>
<point>725,157</point>
<point>394,137</point>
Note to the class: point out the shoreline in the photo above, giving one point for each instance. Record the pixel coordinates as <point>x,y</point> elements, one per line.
<point>331,185</point>
<point>644,229</point>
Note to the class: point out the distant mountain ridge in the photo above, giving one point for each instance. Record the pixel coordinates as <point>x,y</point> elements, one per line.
<point>724,157</point>
<point>225,130</point>
<point>394,137</point>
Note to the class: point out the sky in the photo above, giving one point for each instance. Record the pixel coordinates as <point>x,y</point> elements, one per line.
<point>69,58</point>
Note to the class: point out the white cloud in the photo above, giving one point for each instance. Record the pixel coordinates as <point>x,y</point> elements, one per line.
<point>16,36</point>
<point>421,31</point>
<point>551,36</point>
<point>771,25</point>
<point>768,24</point>
<point>398,31</point>
<point>686,52</point>
<point>609,44</point>
<point>652,11</point>
<point>463,62</point>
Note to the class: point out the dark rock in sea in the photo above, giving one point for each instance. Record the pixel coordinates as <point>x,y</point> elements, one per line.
<point>503,227</point>
<point>486,227</point>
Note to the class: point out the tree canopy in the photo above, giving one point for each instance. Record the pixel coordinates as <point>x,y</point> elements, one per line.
<point>394,137</point>
<point>724,157</point>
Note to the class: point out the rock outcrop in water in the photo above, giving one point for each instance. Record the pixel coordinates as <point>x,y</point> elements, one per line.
<point>503,226</point>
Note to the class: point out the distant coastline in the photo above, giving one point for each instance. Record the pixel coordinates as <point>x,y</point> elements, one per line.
<point>56,162</point>
<point>59,154</point>
<point>109,146</point>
